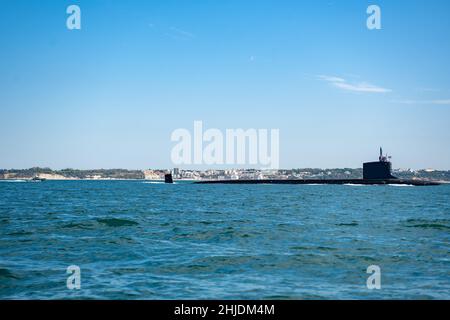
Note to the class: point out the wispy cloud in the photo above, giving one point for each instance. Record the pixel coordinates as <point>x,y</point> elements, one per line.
<point>435,102</point>
<point>428,89</point>
<point>343,84</point>
<point>180,33</point>
<point>172,32</point>
<point>446,101</point>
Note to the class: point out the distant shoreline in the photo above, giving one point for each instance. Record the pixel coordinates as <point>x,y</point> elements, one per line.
<point>211,174</point>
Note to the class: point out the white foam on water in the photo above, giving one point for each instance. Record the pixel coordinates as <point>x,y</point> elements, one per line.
<point>355,185</point>
<point>158,182</point>
<point>17,180</point>
<point>401,185</point>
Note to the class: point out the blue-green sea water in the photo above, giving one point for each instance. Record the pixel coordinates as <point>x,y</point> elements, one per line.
<point>138,240</point>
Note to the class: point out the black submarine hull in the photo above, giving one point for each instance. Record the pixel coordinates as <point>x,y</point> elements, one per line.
<point>326,181</point>
<point>374,173</point>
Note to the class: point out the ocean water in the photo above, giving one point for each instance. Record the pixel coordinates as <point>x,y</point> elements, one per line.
<point>137,240</point>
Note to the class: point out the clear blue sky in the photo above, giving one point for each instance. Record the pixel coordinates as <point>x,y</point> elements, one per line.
<point>109,95</point>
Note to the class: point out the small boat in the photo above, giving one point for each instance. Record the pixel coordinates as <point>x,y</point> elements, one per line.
<point>37,179</point>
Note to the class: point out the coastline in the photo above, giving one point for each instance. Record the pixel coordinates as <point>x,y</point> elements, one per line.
<point>441,176</point>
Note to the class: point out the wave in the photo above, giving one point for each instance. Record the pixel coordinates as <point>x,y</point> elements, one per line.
<point>349,224</point>
<point>20,233</point>
<point>439,224</point>
<point>355,185</point>
<point>401,185</point>
<point>431,226</point>
<point>15,180</point>
<point>158,182</point>
<point>80,225</point>
<point>114,222</point>
<point>7,274</point>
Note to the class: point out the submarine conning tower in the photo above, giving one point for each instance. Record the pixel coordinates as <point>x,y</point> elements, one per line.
<point>380,169</point>
<point>168,178</point>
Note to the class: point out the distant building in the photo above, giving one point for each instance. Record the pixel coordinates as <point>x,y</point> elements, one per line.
<point>93,177</point>
<point>152,175</point>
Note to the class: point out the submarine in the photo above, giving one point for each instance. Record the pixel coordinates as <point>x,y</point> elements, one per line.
<point>374,173</point>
